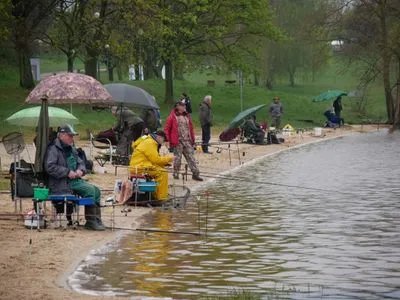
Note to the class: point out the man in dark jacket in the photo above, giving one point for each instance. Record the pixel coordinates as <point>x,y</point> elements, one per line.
<point>205,117</point>
<point>66,169</point>
<point>337,106</point>
<point>252,131</point>
<point>129,128</point>
<point>185,99</point>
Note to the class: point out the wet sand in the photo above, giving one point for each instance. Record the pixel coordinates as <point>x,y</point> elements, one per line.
<point>38,270</point>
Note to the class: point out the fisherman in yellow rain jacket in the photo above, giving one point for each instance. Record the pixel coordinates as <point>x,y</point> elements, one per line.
<point>146,159</point>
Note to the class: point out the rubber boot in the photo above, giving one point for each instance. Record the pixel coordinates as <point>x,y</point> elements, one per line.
<point>91,220</point>
<point>98,218</point>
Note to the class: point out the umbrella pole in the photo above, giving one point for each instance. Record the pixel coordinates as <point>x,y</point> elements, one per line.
<point>15,183</point>
<point>238,151</point>
<point>229,151</point>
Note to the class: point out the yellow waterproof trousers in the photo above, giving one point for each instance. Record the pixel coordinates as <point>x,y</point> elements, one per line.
<point>160,175</point>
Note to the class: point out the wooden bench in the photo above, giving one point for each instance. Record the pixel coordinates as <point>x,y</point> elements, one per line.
<point>211,83</point>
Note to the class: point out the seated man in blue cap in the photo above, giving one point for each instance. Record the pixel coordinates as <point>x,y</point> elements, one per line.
<point>66,169</point>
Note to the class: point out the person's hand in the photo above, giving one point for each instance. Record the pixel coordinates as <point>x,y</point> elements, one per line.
<point>79,173</point>
<point>72,175</point>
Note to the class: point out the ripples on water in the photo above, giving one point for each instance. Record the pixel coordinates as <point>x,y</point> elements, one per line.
<point>340,243</point>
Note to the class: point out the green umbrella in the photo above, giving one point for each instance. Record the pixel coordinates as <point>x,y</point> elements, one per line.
<point>30,116</point>
<point>329,95</point>
<point>238,120</point>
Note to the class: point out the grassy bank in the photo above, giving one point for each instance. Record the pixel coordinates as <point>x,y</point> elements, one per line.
<point>300,111</point>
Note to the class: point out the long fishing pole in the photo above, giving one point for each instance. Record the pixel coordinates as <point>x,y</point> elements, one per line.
<point>156,230</point>
<point>244,179</point>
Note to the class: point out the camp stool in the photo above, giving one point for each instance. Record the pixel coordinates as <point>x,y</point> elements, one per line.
<point>70,199</point>
<point>143,184</point>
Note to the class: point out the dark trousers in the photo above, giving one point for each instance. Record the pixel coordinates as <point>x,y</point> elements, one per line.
<point>337,113</point>
<point>205,137</point>
<point>128,136</point>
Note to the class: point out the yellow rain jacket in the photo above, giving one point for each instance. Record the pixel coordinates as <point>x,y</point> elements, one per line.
<point>146,159</point>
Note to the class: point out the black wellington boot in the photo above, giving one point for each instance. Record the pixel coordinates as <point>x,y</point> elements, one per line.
<point>91,218</point>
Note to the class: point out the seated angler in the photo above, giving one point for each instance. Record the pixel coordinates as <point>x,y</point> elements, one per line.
<point>146,159</point>
<point>65,171</point>
<point>252,131</point>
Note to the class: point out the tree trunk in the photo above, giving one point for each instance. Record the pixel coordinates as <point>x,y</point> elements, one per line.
<point>148,68</point>
<point>291,77</point>
<point>120,72</point>
<point>158,70</point>
<point>91,64</point>
<point>386,67</point>
<point>256,79</point>
<point>169,84</point>
<point>25,72</point>
<point>70,64</point>
<point>111,74</point>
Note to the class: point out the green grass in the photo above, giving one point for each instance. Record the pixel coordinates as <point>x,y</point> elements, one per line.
<point>297,101</point>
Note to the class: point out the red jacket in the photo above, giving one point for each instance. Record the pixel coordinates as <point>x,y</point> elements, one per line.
<point>171,129</point>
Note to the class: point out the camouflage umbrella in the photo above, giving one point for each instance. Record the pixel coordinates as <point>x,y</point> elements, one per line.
<point>68,88</point>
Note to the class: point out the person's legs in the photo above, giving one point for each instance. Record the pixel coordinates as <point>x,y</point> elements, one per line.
<point>188,152</point>
<point>178,160</point>
<point>92,212</point>
<point>206,135</point>
<point>122,146</point>
<point>160,175</point>
<point>277,122</point>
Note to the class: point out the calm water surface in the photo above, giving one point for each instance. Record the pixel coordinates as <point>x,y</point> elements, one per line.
<point>338,244</point>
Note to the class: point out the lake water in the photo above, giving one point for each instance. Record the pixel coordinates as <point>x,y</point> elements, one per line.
<point>338,241</point>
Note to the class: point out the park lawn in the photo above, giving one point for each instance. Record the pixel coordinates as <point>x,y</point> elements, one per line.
<point>299,110</point>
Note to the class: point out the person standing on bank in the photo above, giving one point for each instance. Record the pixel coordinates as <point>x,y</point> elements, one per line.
<point>186,100</point>
<point>180,134</point>
<point>337,106</point>
<point>276,111</point>
<point>205,117</point>
<point>66,169</point>
<point>129,128</point>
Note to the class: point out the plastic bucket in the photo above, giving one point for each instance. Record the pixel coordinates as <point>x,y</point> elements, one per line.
<point>40,193</point>
<point>149,186</point>
<point>317,131</point>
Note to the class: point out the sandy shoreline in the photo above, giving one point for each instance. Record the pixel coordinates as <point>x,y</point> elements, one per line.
<point>39,270</point>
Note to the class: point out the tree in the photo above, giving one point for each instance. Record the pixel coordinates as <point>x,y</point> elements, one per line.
<point>305,47</point>
<point>368,31</point>
<point>193,28</point>
<point>29,20</point>
<point>68,30</point>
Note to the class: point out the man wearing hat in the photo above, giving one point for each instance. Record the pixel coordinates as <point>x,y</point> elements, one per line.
<point>147,160</point>
<point>180,135</point>
<point>66,169</point>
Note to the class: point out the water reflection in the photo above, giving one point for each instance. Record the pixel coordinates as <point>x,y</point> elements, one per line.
<point>341,242</point>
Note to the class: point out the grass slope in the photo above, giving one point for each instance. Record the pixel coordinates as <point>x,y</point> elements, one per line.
<point>297,101</point>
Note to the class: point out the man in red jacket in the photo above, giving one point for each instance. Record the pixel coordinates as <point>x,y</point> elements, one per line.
<point>180,134</point>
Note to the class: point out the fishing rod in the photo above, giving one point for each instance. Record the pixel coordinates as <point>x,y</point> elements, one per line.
<point>156,230</point>
<point>244,179</point>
